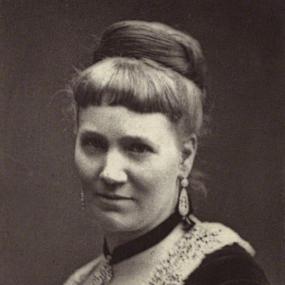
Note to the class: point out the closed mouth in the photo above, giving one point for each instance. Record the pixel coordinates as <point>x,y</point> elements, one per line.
<point>112,196</point>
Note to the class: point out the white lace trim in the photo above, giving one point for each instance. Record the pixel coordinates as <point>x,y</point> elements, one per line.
<point>80,275</point>
<point>186,256</point>
<point>191,249</point>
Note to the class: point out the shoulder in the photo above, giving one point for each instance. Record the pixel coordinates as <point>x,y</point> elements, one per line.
<point>231,265</point>
<point>83,272</point>
<point>224,258</point>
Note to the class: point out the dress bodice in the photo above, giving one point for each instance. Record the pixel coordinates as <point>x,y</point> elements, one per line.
<point>177,260</point>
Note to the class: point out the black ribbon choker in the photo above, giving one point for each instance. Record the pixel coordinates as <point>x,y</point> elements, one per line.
<point>143,242</point>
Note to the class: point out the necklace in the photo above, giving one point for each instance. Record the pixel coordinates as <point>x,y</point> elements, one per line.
<point>104,273</point>
<point>143,242</point>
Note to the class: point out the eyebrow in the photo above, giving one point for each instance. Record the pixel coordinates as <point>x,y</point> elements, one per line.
<point>92,134</point>
<point>139,139</point>
<point>124,139</point>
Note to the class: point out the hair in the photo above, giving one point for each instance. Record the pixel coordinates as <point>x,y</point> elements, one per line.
<point>148,67</point>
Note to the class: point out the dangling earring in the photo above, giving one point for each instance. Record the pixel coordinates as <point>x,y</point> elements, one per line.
<point>184,207</point>
<point>82,200</point>
<point>183,203</point>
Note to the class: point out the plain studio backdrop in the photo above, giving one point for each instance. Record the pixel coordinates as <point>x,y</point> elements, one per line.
<point>44,235</point>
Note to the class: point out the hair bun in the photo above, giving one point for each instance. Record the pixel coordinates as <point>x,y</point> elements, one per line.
<point>155,41</point>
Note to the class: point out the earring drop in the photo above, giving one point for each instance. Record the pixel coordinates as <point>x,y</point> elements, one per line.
<point>82,200</point>
<point>184,203</point>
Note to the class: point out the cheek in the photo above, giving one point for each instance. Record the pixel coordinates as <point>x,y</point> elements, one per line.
<point>159,175</point>
<point>167,166</point>
<point>85,168</point>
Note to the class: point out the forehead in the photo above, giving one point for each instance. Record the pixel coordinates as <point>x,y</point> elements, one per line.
<point>120,121</point>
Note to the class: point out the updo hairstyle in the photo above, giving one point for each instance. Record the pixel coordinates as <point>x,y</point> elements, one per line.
<point>148,67</point>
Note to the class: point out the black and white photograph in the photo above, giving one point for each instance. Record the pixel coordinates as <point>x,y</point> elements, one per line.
<point>142,142</point>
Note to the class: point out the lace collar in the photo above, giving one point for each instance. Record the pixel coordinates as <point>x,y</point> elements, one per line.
<point>180,261</point>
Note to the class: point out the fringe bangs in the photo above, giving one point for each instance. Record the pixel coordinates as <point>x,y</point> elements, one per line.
<point>139,85</point>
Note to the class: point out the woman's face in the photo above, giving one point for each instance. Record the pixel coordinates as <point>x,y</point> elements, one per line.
<point>129,164</point>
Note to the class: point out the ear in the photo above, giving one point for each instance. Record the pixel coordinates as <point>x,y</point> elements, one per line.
<point>189,150</point>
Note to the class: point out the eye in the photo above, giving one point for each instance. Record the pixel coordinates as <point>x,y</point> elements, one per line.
<point>94,144</point>
<point>139,148</point>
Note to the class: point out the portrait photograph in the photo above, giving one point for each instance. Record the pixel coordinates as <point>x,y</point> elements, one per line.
<point>142,142</point>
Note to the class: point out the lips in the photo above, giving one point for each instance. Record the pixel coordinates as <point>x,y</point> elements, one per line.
<point>112,197</point>
<point>111,201</point>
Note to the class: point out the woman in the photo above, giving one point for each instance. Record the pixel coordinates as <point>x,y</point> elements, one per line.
<point>141,108</point>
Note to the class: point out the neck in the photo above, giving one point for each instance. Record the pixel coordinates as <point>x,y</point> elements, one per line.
<point>116,239</point>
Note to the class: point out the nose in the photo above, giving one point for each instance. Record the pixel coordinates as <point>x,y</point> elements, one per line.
<point>113,171</point>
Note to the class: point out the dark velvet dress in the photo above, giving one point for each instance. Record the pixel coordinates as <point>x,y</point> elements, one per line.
<point>203,254</point>
<point>231,265</point>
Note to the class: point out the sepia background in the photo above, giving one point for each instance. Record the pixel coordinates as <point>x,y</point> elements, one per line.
<point>44,235</point>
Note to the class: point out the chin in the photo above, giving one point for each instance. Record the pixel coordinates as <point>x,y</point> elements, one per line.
<point>112,221</point>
